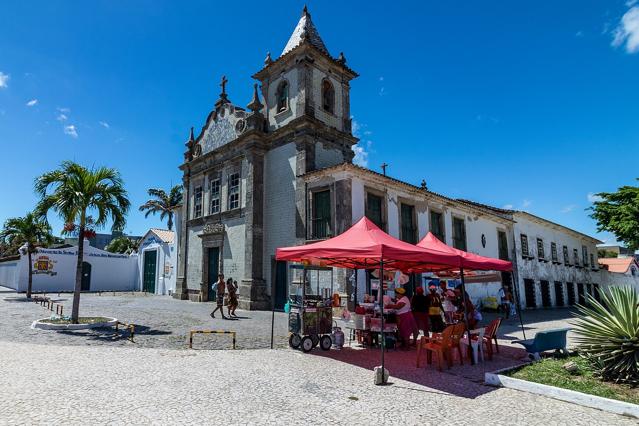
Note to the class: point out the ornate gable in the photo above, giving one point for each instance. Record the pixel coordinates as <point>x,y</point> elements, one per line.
<point>224,125</point>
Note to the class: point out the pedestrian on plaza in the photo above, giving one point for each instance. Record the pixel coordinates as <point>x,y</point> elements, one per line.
<point>220,288</point>
<point>231,292</point>
<point>435,310</point>
<point>504,303</point>
<point>419,304</point>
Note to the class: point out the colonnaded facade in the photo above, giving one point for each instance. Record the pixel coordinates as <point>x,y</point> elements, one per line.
<point>279,173</point>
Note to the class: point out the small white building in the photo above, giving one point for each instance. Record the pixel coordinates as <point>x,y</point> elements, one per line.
<point>54,270</point>
<point>156,262</point>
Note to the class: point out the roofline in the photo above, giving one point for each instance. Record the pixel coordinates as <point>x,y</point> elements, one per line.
<point>593,239</point>
<point>258,75</point>
<point>409,186</point>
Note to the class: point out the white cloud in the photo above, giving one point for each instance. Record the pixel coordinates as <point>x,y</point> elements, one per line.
<point>568,208</point>
<point>631,3</point>
<point>104,124</point>
<point>579,34</point>
<point>32,102</point>
<point>526,203</point>
<point>64,110</point>
<point>593,198</point>
<point>71,131</point>
<point>355,127</point>
<point>627,31</point>
<point>382,91</point>
<point>381,78</point>
<point>508,207</point>
<point>361,154</point>
<point>4,78</point>
<point>61,117</point>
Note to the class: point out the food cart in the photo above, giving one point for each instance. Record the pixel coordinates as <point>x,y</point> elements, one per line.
<point>310,317</point>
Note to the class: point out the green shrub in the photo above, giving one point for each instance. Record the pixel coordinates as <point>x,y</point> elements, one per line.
<point>608,335</point>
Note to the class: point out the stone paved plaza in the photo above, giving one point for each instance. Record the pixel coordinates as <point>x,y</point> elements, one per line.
<point>100,378</point>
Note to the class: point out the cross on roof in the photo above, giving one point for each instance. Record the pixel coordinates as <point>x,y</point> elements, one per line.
<point>384,165</point>
<point>223,84</point>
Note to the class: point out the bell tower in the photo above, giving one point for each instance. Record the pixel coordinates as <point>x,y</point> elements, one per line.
<point>305,80</point>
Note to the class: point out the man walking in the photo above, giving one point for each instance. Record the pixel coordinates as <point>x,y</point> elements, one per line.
<point>220,288</point>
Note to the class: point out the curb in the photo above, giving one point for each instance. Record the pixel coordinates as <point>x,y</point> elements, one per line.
<point>604,404</point>
<point>39,324</point>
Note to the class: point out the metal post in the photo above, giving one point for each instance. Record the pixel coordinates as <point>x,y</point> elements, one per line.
<point>518,306</point>
<point>272,306</point>
<point>465,302</point>
<point>381,290</point>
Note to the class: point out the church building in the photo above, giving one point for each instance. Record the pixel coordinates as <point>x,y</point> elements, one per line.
<point>280,173</point>
<point>243,172</point>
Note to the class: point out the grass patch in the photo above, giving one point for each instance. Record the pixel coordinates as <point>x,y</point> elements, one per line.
<point>81,320</point>
<point>549,371</point>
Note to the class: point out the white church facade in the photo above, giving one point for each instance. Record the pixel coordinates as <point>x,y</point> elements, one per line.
<point>279,173</point>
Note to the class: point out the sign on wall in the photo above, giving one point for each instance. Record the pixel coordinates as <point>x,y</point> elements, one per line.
<point>44,265</point>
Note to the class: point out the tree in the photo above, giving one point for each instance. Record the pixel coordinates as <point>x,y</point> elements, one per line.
<point>73,192</point>
<point>618,212</point>
<point>163,203</point>
<point>31,231</point>
<point>122,245</point>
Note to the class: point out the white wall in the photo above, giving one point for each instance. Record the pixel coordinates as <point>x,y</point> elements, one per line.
<point>109,271</point>
<point>9,272</point>
<point>279,204</point>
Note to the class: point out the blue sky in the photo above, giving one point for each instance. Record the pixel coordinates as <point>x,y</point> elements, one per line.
<point>532,105</point>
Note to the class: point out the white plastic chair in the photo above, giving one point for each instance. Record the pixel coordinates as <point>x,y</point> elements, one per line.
<point>477,344</point>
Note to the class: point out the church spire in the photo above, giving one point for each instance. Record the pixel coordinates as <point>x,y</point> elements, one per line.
<point>255,105</point>
<point>305,32</point>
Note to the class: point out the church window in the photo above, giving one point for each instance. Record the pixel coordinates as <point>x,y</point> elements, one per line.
<point>282,97</point>
<point>502,245</point>
<point>234,191</point>
<point>328,96</point>
<point>553,252</point>
<point>214,206</point>
<point>437,225</point>
<point>592,261</point>
<point>541,254</point>
<point>375,210</point>
<point>409,230</point>
<point>321,219</point>
<point>459,233</point>
<point>197,205</point>
<point>524,245</point>
<point>575,254</point>
<point>566,257</point>
<point>584,254</point>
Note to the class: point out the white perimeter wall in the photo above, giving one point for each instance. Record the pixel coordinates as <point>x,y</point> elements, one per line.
<point>109,271</point>
<point>9,274</point>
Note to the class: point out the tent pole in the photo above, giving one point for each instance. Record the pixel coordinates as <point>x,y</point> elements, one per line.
<point>465,302</point>
<point>273,307</point>
<point>381,290</point>
<point>518,306</point>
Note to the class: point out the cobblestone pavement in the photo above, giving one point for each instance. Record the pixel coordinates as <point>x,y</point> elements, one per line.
<point>52,384</point>
<point>160,322</point>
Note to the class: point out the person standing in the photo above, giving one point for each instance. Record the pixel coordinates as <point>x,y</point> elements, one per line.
<point>406,322</point>
<point>504,301</point>
<point>419,304</point>
<point>435,310</point>
<point>220,290</point>
<point>231,291</point>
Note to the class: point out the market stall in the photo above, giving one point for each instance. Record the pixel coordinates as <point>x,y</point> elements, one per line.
<point>365,246</point>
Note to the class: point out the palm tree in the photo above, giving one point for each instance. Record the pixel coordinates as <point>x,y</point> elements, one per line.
<point>30,230</point>
<point>163,203</point>
<point>73,191</point>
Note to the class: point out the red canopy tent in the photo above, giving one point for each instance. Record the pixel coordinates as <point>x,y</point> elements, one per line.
<point>365,246</point>
<point>466,260</point>
<point>469,261</point>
